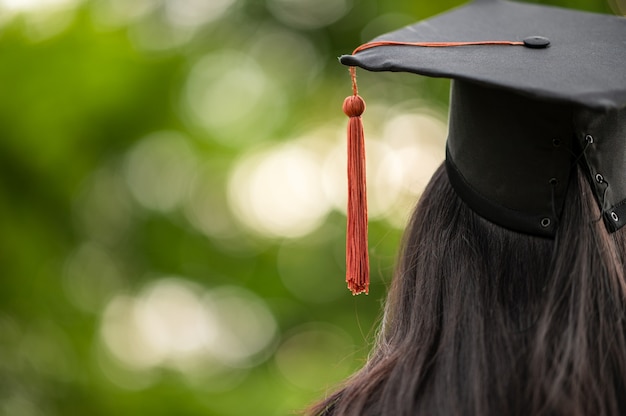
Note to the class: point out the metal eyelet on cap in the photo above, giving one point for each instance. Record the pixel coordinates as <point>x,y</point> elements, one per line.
<point>599,178</point>
<point>614,216</point>
<point>553,181</point>
<point>556,142</point>
<point>545,222</point>
<point>589,138</point>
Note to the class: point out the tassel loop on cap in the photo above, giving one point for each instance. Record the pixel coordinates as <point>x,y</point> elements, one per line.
<point>357,259</point>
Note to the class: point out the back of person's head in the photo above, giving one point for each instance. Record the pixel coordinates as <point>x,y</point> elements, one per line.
<point>481,320</point>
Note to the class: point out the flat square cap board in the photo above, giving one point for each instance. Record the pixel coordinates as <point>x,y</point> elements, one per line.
<point>585,63</point>
<point>536,91</point>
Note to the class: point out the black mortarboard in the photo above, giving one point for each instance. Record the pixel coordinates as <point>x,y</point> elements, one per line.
<point>537,90</point>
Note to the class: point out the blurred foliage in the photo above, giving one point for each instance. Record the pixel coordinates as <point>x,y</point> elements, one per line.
<point>122,127</point>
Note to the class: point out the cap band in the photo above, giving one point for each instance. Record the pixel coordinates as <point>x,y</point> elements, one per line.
<point>510,157</point>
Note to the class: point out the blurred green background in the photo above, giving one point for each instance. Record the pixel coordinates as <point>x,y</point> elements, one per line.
<point>172,199</point>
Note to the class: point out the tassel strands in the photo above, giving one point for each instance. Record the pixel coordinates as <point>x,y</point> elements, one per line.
<point>357,258</point>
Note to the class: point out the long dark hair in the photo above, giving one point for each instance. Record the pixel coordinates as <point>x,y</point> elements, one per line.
<point>481,320</point>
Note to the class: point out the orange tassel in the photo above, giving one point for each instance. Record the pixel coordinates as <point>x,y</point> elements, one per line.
<point>357,258</point>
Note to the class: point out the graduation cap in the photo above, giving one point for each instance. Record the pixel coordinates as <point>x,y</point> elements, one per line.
<point>536,90</point>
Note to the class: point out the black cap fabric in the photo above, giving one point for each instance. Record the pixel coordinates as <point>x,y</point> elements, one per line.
<point>521,117</point>
<point>584,64</point>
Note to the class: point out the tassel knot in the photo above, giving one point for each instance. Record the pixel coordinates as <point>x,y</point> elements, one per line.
<point>353,106</point>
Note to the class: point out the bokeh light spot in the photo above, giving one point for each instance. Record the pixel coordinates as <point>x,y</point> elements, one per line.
<point>153,35</point>
<point>36,5</point>
<point>206,207</point>
<point>308,14</point>
<point>122,336</point>
<point>42,18</point>
<point>419,139</point>
<point>194,13</point>
<point>159,170</point>
<point>382,171</point>
<point>385,23</point>
<point>246,326</point>
<point>122,12</point>
<point>176,324</point>
<point>278,192</point>
<point>230,95</point>
<point>176,13</point>
<point>418,142</point>
<point>301,64</point>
